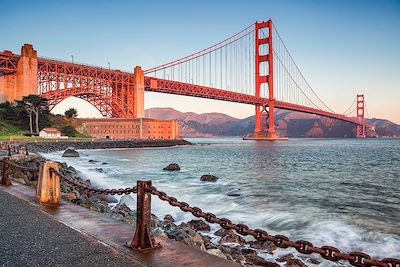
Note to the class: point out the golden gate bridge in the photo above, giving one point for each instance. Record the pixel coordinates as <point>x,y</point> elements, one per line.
<point>251,67</point>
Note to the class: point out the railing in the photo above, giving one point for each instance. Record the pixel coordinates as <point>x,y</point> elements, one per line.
<point>143,239</point>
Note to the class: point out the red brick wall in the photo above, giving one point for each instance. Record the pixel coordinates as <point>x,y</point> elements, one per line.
<point>130,128</point>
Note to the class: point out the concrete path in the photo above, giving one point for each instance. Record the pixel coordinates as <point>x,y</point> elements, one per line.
<point>30,237</point>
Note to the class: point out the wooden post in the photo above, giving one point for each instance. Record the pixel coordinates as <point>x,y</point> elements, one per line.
<point>48,188</point>
<point>4,176</point>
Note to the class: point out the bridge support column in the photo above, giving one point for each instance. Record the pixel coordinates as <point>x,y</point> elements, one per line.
<point>360,129</point>
<point>24,81</point>
<point>261,78</point>
<point>138,93</point>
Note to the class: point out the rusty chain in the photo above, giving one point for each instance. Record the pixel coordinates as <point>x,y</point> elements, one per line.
<point>21,167</point>
<point>95,190</point>
<point>302,246</point>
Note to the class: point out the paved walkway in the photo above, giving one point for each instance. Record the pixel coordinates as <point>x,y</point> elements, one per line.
<point>30,237</point>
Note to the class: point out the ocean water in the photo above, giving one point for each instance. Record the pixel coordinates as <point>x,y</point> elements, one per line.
<point>336,192</point>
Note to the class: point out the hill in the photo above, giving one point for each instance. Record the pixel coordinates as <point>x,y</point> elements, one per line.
<point>288,123</point>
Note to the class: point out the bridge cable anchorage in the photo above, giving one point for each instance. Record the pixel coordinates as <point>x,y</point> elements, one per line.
<point>305,247</point>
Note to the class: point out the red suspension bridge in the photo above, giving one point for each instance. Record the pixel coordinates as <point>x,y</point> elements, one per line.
<point>251,67</point>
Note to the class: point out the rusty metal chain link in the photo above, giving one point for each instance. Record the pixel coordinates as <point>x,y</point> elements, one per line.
<point>21,167</point>
<point>302,246</point>
<point>82,186</point>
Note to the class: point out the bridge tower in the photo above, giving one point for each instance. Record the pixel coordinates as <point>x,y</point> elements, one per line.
<point>360,130</point>
<point>23,80</point>
<point>261,78</point>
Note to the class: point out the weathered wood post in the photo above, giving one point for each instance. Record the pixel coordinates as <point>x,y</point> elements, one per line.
<point>48,188</point>
<point>143,239</point>
<point>4,176</point>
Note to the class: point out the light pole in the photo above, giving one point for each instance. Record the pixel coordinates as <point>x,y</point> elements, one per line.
<point>72,59</point>
<point>108,65</point>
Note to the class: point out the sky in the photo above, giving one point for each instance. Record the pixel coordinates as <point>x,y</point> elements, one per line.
<point>342,47</point>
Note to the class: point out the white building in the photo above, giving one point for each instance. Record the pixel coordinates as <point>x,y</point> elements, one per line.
<point>50,133</point>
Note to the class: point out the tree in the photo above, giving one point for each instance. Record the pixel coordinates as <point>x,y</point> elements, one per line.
<point>71,113</point>
<point>68,130</point>
<point>36,107</point>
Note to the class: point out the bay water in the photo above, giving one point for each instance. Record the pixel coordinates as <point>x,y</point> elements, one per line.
<point>337,192</point>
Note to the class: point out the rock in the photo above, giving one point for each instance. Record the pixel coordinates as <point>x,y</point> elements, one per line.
<point>216,252</point>
<point>72,196</point>
<point>107,198</point>
<point>100,170</point>
<point>122,209</point>
<point>128,200</point>
<point>267,246</point>
<point>207,242</point>
<point>233,195</point>
<point>71,153</point>
<point>199,225</point>
<point>314,261</point>
<point>259,261</point>
<point>169,218</point>
<point>20,180</point>
<point>172,167</point>
<point>295,263</point>
<point>208,178</point>
<point>92,161</point>
<point>222,232</point>
<point>187,236</point>
<point>285,257</point>
<point>231,237</point>
<point>233,254</point>
<point>104,163</point>
<point>245,251</point>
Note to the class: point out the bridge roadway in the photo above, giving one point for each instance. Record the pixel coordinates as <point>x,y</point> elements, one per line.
<point>70,235</point>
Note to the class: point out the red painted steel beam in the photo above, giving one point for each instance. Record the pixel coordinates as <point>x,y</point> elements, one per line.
<point>90,84</point>
<point>178,88</point>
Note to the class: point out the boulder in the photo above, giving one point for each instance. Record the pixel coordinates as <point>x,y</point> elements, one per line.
<point>266,246</point>
<point>128,200</point>
<point>199,225</point>
<point>208,178</point>
<point>72,196</point>
<point>285,257</point>
<point>259,261</point>
<point>70,153</point>
<point>187,236</point>
<point>122,209</point>
<point>172,167</point>
<point>231,237</point>
<point>107,198</point>
<point>216,252</point>
<point>100,170</point>
<point>222,232</point>
<point>169,218</point>
<point>92,161</point>
<point>295,263</point>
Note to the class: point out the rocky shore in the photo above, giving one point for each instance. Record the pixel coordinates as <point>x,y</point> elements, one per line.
<point>195,233</point>
<point>46,147</point>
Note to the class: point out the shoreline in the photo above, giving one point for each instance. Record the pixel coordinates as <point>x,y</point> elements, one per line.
<point>54,146</point>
